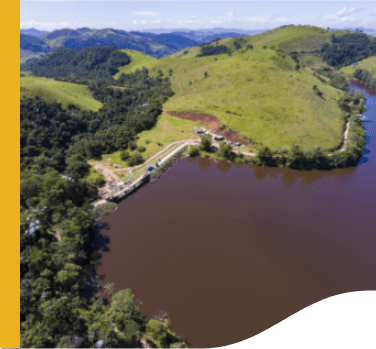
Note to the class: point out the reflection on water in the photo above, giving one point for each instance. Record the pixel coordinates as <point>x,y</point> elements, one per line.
<point>229,250</point>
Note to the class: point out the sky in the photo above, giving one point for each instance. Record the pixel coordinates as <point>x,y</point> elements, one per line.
<point>144,15</point>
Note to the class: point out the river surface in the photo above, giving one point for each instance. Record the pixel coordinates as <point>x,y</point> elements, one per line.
<point>231,250</point>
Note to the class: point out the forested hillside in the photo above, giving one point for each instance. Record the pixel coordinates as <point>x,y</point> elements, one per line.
<point>349,48</point>
<point>92,62</point>
<point>34,44</point>
<point>86,37</point>
<point>62,303</point>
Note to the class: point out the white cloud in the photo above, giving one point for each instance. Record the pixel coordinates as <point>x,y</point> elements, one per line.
<point>144,22</point>
<point>230,14</point>
<point>373,13</point>
<point>30,24</point>
<point>347,19</point>
<point>346,12</point>
<point>145,13</point>
<point>194,16</point>
<point>134,22</point>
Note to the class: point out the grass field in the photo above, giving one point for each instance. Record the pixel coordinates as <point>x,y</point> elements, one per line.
<point>277,104</point>
<point>61,92</point>
<point>167,130</point>
<point>138,60</point>
<point>93,174</point>
<point>367,64</point>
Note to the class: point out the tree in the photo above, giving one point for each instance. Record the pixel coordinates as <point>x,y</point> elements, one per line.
<point>206,142</point>
<point>77,167</point>
<point>206,74</point>
<point>158,332</point>
<point>133,145</point>
<point>194,151</point>
<point>225,150</point>
<point>135,159</point>
<point>124,155</point>
<point>264,154</point>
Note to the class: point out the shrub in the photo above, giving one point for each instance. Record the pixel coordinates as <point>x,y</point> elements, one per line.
<point>206,74</point>
<point>147,141</point>
<point>133,145</point>
<point>265,47</point>
<point>194,151</point>
<point>317,91</point>
<point>135,159</point>
<point>124,155</point>
<point>100,181</point>
<point>222,126</point>
<point>141,148</point>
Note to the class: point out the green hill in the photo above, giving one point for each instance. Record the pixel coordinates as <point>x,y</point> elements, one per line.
<point>367,64</point>
<point>258,93</point>
<point>138,60</point>
<point>65,93</point>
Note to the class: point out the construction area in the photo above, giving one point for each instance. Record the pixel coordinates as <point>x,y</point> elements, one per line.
<point>115,189</point>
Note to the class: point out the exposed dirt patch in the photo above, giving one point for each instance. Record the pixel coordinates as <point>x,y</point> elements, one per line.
<point>211,122</point>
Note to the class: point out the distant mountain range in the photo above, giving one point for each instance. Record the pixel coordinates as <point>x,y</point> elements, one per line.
<point>156,42</point>
<point>35,42</point>
<point>33,32</point>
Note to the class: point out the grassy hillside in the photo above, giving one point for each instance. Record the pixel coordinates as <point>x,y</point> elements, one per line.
<point>296,38</point>
<point>367,64</point>
<point>138,60</point>
<point>291,38</point>
<point>61,92</point>
<point>277,104</point>
<point>167,130</point>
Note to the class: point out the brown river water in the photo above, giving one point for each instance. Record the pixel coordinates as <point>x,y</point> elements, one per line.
<point>231,250</point>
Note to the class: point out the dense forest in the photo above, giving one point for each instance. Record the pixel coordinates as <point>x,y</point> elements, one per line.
<point>92,62</point>
<point>347,49</point>
<point>63,304</point>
